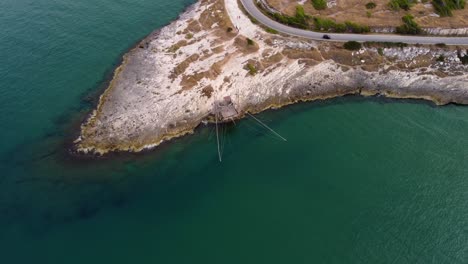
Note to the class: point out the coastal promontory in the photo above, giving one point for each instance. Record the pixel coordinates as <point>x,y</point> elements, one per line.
<point>167,84</point>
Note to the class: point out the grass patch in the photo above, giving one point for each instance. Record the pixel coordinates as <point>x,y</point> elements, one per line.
<point>444,7</point>
<point>409,27</point>
<point>319,4</point>
<point>396,5</point>
<point>252,69</point>
<point>272,31</point>
<point>253,20</point>
<point>352,45</point>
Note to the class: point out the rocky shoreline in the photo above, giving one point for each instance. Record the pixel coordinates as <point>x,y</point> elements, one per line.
<point>166,85</point>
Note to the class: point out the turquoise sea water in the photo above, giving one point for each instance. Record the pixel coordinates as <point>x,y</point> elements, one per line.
<point>359,180</point>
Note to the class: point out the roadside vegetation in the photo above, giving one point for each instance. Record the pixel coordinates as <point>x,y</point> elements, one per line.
<point>299,20</point>
<point>271,31</point>
<point>329,25</point>
<point>374,44</point>
<point>304,21</point>
<point>334,22</point>
<point>409,27</point>
<point>444,7</point>
<point>319,4</point>
<point>352,45</point>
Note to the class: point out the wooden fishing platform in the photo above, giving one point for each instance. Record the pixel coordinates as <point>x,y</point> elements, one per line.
<point>224,110</point>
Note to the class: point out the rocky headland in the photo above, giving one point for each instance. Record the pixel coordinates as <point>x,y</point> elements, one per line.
<point>167,84</point>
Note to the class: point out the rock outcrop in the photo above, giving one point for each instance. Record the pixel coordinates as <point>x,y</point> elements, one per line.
<point>166,86</point>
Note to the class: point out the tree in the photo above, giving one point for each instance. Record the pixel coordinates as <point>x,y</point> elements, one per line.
<point>352,45</point>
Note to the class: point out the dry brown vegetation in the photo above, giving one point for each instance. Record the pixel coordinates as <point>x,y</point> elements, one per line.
<point>207,91</point>
<point>302,54</point>
<point>179,69</point>
<point>242,45</point>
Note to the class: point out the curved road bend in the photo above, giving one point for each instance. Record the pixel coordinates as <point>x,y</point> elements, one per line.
<point>252,9</point>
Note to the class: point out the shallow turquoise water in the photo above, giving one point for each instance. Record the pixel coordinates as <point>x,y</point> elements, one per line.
<point>359,181</point>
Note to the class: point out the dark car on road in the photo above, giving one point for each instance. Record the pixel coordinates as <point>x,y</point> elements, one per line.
<point>326,37</point>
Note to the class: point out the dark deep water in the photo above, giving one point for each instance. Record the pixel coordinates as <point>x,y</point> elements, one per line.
<point>359,180</point>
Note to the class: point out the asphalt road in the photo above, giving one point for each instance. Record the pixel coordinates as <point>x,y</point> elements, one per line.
<point>253,10</point>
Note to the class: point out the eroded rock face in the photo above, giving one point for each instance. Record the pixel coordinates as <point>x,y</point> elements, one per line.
<point>428,31</point>
<point>447,31</point>
<point>167,85</point>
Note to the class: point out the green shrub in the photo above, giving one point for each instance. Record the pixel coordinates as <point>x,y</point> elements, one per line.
<point>401,4</point>
<point>252,69</point>
<point>229,29</point>
<point>356,28</point>
<point>444,7</point>
<point>300,14</point>
<point>299,20</point>
<point>441,45</point>
<point>319,4</point>
<point>369,14</point>
<point>464,58</point>
<point>441,58</point>
<point>352,45</point>
<point>380,51</point>
<point>326,24</point>
<point>409,27</point>
<point>371,5</point>
<point>250,42</point>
